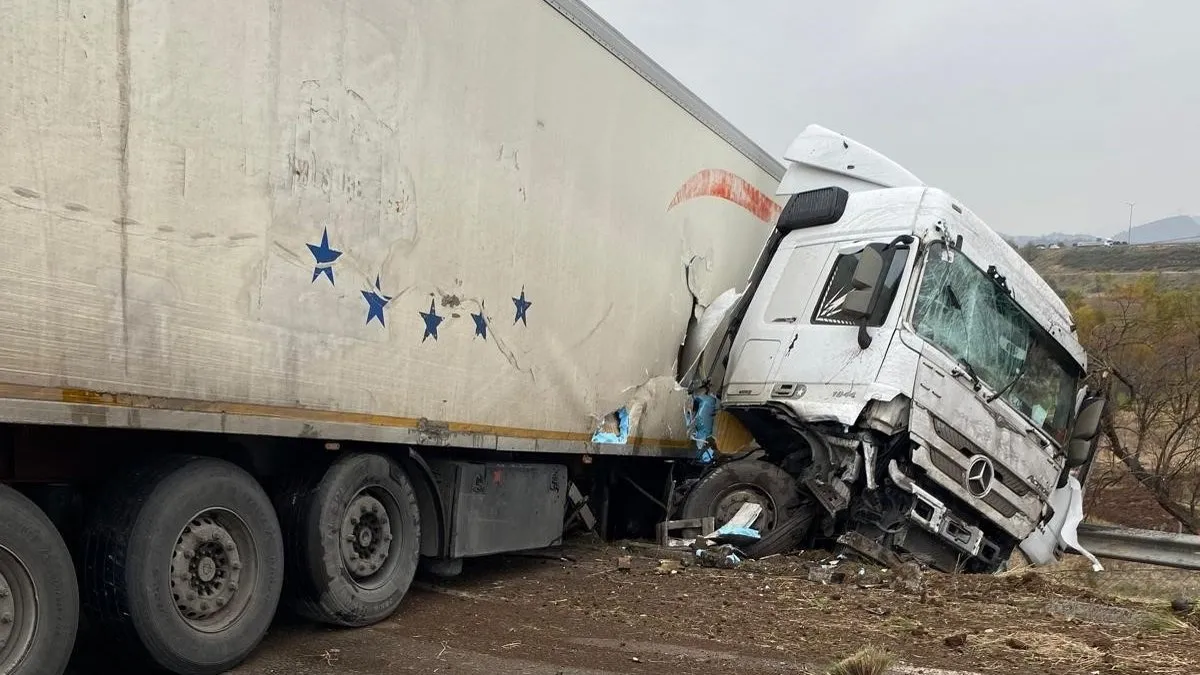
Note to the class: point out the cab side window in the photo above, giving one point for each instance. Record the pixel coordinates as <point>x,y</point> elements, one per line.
<point>840,283</point>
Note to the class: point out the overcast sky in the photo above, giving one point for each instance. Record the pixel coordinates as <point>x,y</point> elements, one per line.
<point>1041,116</point>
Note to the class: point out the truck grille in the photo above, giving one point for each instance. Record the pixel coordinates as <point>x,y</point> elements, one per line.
<point>969,449</point>
<point>948,466</point>
<point>1000,504</point>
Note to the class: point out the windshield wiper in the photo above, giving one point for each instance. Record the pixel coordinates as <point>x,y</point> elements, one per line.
<point>969,370</point>
<point>1012,382</point>
<point>1004,390</point>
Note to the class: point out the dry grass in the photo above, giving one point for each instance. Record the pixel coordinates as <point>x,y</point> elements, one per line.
<point>1164,623</point>
<point>1048,648</point>
<point>866,661</point>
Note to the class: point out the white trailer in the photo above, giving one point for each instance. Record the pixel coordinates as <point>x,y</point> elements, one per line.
<point>308,285</point>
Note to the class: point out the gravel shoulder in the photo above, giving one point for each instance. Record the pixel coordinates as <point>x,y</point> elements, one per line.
<point>581,614</point>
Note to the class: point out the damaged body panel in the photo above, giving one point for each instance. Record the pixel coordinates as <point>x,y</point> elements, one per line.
<point>917,378</point>
<point>348,221</point>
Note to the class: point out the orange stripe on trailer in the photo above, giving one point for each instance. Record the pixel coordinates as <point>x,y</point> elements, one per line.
<point>731,187</point>
<point>121,400</point>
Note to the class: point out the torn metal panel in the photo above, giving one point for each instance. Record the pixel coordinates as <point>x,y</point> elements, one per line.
<point>614,429</point>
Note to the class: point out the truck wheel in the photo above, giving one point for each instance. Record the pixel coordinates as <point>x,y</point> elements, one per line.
<point>787,535</point>
<point>721,493</point>
<point>183,564</point>
<point>39,598</point>
<point>354,539</point>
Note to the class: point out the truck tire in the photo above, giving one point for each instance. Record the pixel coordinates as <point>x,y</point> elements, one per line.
<point>39,598</point>
<point>353,537</point>
<point>721,493</point>
<point>183,565</point>
<point>786,536</point>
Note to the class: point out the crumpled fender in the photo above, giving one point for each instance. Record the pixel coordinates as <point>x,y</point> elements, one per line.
<point>1060,533</point>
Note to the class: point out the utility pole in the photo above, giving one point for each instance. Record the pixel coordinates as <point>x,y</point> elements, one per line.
<point>1129,234</point>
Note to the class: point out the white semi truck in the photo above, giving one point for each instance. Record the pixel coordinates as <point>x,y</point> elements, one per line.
<point>912,384</point>
<point>295,297</point>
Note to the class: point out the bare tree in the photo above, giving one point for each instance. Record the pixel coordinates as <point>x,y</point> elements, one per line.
<point>1148,339</point>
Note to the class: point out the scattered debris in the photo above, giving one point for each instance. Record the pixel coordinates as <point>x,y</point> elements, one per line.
<point>666,527</point>
<point>625,563</point>
<point>870,549</point>
<point>724,556</point>
<point>669,566</point>
<point>827,575</point>
<point>738,531</point>
<point>330,656</point>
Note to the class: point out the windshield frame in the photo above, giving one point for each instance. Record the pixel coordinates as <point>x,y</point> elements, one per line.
<point>1067,374</point>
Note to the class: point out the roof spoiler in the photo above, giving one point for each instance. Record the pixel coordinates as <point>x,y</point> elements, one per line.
<point>820,158</point>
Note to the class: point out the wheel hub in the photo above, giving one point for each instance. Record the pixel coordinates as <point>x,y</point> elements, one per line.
<point>7,611</point>
<point>366,536</point>
<point>206,568</point>
<point>729,505</point>
<point>18,610</point>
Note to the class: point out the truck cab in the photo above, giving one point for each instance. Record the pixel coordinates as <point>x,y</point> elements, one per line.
<point>898,359</point>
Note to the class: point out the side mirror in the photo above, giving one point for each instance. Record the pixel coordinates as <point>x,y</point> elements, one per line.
<point>1084,433</point>
<point>1078,452</point>
<point>861,299</point>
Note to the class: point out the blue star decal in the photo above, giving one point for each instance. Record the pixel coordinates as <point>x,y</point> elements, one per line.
<point>376,301</point>
<point>523,306</point>
<point>432,321</point>
<point>480,322</point>
<point>324,256</point>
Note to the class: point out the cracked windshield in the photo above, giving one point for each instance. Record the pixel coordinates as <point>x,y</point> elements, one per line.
<point>970,316</point>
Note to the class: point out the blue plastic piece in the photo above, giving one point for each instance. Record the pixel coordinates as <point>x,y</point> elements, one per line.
<point>741,532</point>
<point>701,420</point>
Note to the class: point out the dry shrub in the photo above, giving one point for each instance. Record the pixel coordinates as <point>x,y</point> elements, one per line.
<point>866,661</point>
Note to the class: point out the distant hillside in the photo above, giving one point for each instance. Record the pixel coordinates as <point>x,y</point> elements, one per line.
<point>1175,228</point>
<point>1092,269</point>
<point>1048,239</point>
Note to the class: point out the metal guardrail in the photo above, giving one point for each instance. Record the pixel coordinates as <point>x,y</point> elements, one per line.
<point>1181,551</point>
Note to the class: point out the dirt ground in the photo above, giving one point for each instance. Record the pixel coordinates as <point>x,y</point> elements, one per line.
<point>580,613</point>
